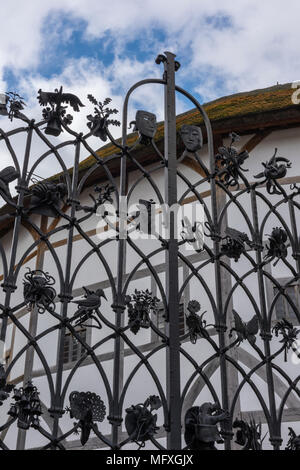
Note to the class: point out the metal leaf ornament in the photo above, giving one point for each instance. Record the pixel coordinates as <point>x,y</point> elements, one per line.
<point>277,247</point>
<point>55,114</point>
<point>38,291</point>
<point>230,163</point>
<point>140,422</point>
<point>274,169</point>
<point>139,306</point>
<point>88,408</point>
<point>100,120</point>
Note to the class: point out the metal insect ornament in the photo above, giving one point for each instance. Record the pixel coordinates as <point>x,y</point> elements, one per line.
<point>245,331</point>
<point>277,247</point>
<point>88,408</point>
<point>38,291</point>
<point>294,441</point>
<point>88,307</point>
<point>201,430</point>
<point>275,169</point>
<point>7,175</point>
<point>5,388</point>
<point>146,125</point>
<point>55,114</point>
<point>192,137</point>
<point>140,422</point>
<point>195,323</point>
<point>230,163</point>
<point>248,435</point>
<point>99,122</point>
<point>27,407</point>
<point>139,306</point>
<point>47,198</point>
<point>289,335</point>
<point>234,244</point>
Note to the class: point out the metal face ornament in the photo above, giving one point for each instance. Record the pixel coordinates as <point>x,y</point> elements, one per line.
<point>201,430</point>
<point>145,124</point>
<point>192,137</point>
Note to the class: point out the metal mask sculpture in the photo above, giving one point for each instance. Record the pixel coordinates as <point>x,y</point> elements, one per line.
<point>27,407</point>
<point>245,331</point>
<point>38,291</point>
<point>201,430</point>
<point>140,422</point>
<point>47,198</point>
<point>145,124</point>
<point>7,175</point>
<point>88,408</point>
<point>192,137</point>
<point>89,305</point>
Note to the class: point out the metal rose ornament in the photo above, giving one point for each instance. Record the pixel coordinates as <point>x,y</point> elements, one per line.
<point>88,408</point>
<point>277,247</point>
<point>192,137</point>
<point>38,291</point>
<point>140,422</point>
<point>201,430</point>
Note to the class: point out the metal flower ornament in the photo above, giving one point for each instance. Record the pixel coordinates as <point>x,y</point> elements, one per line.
<point>100,120</point>
<point>275,169</point>
<point>140,422</point>
<point>38,291</point>
<point>139,306</point>
<point>230,162</point>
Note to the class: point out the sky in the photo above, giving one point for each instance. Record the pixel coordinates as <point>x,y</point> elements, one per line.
<point>103,47</point>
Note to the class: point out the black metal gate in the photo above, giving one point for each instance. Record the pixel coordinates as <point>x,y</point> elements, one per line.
<point>53,200</point>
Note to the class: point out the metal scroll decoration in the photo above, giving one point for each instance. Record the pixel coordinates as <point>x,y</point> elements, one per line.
<point>231,271</point>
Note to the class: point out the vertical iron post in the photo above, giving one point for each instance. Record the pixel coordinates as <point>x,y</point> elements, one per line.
<point>173,352</point>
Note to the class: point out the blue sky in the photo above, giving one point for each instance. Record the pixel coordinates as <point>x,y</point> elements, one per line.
<point>103,47</point>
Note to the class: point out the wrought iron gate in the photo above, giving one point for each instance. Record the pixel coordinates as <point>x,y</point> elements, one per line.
<point>53,200</point>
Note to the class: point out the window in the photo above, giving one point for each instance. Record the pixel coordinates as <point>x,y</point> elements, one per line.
<point>160,319</point>
<point>73,349</point>
<point>283,308</point>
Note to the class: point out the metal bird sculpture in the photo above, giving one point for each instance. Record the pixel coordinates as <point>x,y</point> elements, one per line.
<point>58,97</point>
<point>245,331</point>
<point>88,305</point>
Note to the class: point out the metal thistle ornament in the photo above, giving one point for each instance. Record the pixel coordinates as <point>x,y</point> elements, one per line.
<point>47,198</point>
<point>277,247</point>
<point>195,323</point>
<point>88,307</point>
<point>289,335</point>
<point>38,291</point>
<point>275,169</point>
<point>294,441</point>
<point>191,137</point>
<point>7,175</point>
<point>99,122</point>
<point>5,388</point>
<point>234,245</point>
<point>245,330</point>
<point>201,430</point>
<point>55,114</point>
<point>27,407</point>
<point>139,306</point>
<point>88,408</point>
<point>248,435</point>
<point>140,422</point>
<point>230,163</point>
